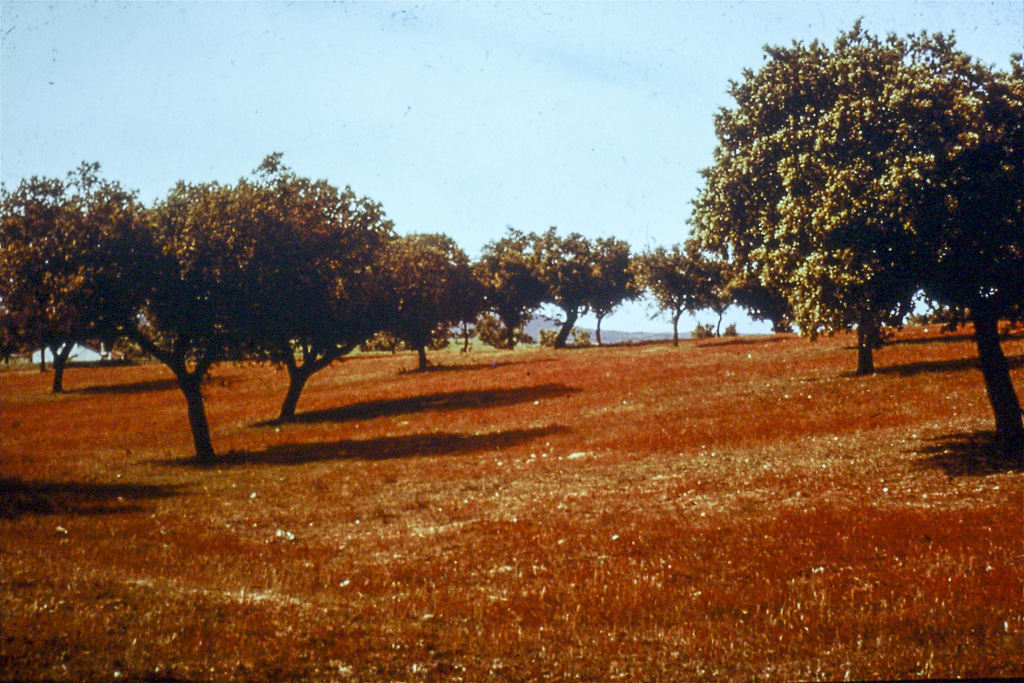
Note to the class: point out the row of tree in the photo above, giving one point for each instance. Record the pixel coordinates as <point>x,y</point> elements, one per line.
<point>283,269</point>
<point>846,182</point>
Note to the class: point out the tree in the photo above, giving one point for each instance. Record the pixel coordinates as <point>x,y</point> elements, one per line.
<point>57,280</point>
<point>613,279</point>
<point>566,268</point>
<point>968,208</point>
<point>681,279</point>
<point>431,288</point>
<point>35,217</point>
<point>512,290</point>
<point>313,291</point>
<point>710,282</point>
<point>802,188</point>
<point>196,246</point>
<point>852,177</point>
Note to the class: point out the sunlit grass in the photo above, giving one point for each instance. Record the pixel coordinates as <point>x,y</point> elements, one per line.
<point>729,510</point>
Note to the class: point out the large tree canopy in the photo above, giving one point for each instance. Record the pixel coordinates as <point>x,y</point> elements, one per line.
<point>196,246</point>
<point>566,267</point>
<point>808,186</point>
<point>683,279</point>
<point>314,291</point>
<point>969,209</point>
<point>614,281</point>
<point>851,177</point>
<point>59,285</point>
<point>431,288</point>
<point>507,271</point>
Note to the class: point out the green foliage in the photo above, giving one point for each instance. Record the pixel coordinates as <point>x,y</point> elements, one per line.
<point>615,280</point>
<point>760,302</point>
<point>580,338</point>
<point>547,338</point>
<point>512,290</point>
<point>730,331</point>
<point>198,255</point>
<point>849,178</point>
<point>493,332</point>
<point>684,279</point>
<point>430,288</point>
<point>567,266</point>
<point>66,275</point>
<point>381,342</point>
<point>807,192</point>
<point>314,290</point>
<point>522,271</point>
<point>702,331</point>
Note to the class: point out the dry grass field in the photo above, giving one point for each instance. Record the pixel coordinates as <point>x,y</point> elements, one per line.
<point>736,510</point>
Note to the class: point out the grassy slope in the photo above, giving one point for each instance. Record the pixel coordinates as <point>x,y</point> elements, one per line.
<point>735,510</point>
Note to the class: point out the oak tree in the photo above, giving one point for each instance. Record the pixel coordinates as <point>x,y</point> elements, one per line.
<point>614,282</point>
<point>853,176</point>
<point>803,190</point>
<point>196,246</point>
<point>968,205</point>
<point>314,294</point>
<point>59,284</point>
<point>681,279</point>
<point>512,290</point>
<point>566,268</point>
<point>430,288</point>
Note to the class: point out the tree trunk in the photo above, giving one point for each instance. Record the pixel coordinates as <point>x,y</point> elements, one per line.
<point>597,332</point>
<point>60,359</point>
<point>421,352</point>
<point>297,378</point>
<point>190,386</point>
<point>42,359</point>
<point>999,385</point>
<point>313,361</point>
<point>718,329</point>
<point>675,328</point>
<point>509,335</point>
<point>865,352</point>
<point>563,334</point>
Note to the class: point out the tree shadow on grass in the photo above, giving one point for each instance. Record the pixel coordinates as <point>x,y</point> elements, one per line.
<point>381,448</point>
<point>19,497</point>
<point>968,454</point>
<point>441,402</point>
<point>147,386</point>
<point>950,365</point>
<point>944,338</point>
<point>744,341</point>
<point>629,343</point>
<point>467,367</point>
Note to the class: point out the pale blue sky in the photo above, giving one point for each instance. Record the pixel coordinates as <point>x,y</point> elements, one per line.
<point>460,118</point>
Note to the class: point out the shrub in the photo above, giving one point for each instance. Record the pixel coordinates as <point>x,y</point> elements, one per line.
<point>703,331</point>
<point>382,341</point>
<point>580,337</point>
<point>491,331</point>
<point>547,338</point>
<point>730,331</point>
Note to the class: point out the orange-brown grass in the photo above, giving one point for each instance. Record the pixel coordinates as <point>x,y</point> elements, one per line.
<point>740,509</point>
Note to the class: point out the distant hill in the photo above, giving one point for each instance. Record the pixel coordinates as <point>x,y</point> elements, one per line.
<point>542,322</point>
